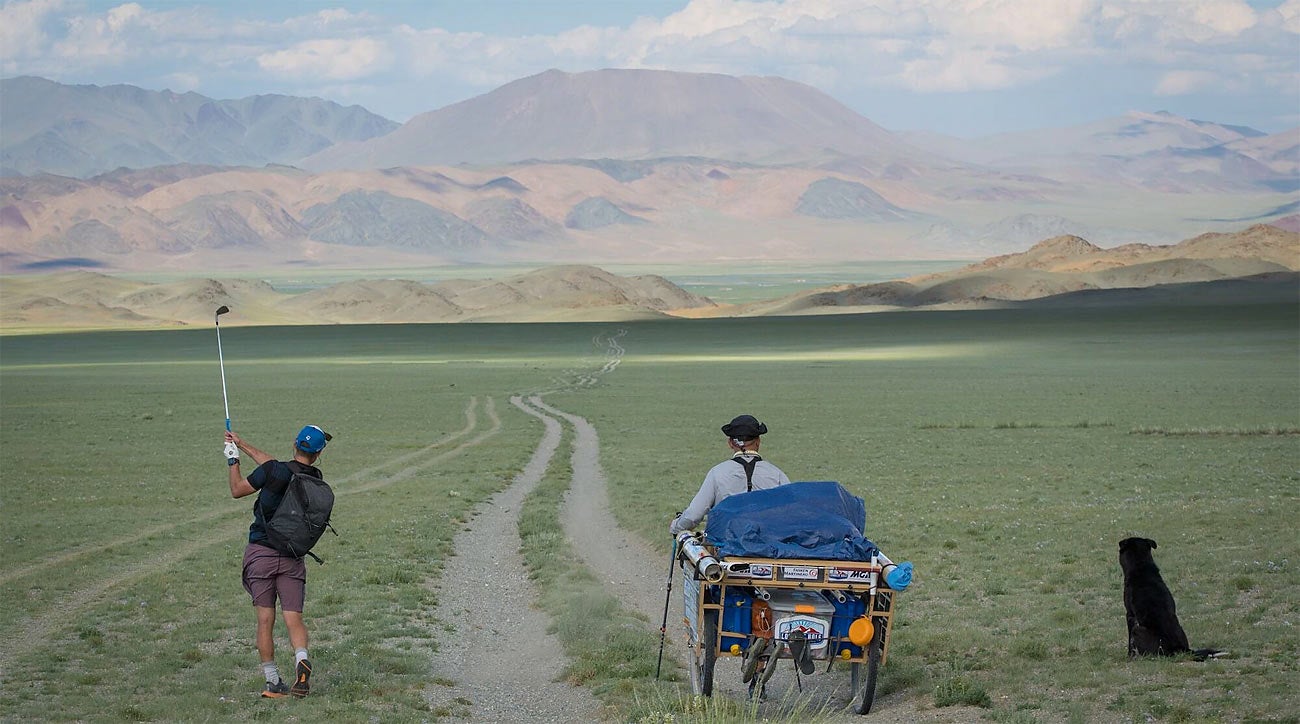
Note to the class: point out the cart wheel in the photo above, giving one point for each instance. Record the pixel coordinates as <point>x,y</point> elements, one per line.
<point>706,656</point>
<point>863,683</point>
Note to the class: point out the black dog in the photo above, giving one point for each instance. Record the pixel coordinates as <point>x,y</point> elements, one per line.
<point>1153,628</point>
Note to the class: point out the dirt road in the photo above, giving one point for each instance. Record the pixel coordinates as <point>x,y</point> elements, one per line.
<point>636,574</point>
<point>498,663</point>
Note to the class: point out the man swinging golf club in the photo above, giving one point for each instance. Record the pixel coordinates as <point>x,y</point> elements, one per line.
<point>269,574</point>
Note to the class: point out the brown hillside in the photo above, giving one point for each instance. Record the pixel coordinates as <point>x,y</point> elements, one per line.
<point>1067,265</point>
<point>1261,241</point>
<point>86,300</point>
<point>1046,255</point>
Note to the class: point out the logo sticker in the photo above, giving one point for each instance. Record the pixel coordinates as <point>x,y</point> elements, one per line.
<point>801,573</point>
<point>814,629</point>
<point>760,570</point>
<point>851,575</point>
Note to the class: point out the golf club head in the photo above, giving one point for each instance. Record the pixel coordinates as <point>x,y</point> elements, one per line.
<point>222,310</point>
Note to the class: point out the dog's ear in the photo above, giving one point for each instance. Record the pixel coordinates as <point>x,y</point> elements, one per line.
<point>1150,543</point>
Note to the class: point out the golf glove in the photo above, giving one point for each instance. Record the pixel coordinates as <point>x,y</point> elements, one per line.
<point>899,577</point>
<point>232,453</point>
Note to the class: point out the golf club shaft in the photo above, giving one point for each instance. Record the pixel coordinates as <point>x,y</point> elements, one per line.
<point>221,359</point>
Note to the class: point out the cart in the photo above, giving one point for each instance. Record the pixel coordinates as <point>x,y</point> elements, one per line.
<point>813,611</point>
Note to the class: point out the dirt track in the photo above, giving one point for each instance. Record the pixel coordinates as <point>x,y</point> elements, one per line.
<point>635,572</point>
<point>499,656</point>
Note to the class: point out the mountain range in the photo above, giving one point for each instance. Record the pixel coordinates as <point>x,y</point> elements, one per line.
<point>84,130</point>
<point>602,166</point>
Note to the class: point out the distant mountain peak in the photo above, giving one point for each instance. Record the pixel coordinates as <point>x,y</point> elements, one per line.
<point>628,114</point>
<point>1043,255</point>
<point>1066,244</point>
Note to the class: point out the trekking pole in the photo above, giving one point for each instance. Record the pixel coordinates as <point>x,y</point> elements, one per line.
<point>663,627</point>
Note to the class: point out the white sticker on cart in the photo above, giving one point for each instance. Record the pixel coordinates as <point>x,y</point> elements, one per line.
<point>814,629</point>
<point>691,601</point>
<point>760,570</point>
<point>851,575</point>
<point>801,573</point>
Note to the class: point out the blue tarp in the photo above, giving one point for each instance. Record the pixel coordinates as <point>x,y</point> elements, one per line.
<point>819,520</point>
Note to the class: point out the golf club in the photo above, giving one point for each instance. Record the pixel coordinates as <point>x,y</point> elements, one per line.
<point>222,361</point>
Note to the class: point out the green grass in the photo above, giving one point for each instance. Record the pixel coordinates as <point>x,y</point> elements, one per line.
<point>996,450</point>
<point>611,650</point>
<point>963,433</point>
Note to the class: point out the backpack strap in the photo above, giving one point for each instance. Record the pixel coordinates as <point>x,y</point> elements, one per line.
<point>748,463</point>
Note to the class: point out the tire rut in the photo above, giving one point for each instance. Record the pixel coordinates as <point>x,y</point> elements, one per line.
<point>636,574</point>
<point>28,569</point>
<point>35,631</point>
<point>500,658</point>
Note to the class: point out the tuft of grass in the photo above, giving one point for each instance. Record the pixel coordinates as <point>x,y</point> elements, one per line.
<point>610,650</point>
<point>656,705</point>
<point>960,691</point>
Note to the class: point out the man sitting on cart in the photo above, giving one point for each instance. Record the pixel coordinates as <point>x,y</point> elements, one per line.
<point>746,471</point>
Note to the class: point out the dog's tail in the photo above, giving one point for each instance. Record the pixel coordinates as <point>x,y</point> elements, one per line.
<point>1203,654</point>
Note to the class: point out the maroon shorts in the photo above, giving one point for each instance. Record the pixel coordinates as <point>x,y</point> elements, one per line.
<point>269,574</point>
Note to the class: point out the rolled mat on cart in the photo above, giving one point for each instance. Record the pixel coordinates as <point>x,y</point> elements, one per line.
<point>818,520</point>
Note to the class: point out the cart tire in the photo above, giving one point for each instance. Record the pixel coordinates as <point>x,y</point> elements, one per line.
<point>707,656</point>
<point>863,675</point>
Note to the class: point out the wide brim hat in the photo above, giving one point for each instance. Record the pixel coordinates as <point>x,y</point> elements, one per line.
<point>744,426</point>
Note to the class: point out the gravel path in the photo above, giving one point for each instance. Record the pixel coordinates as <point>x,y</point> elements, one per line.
<point>487,585</point>
<point>637,575</point>
<point>499,656</point>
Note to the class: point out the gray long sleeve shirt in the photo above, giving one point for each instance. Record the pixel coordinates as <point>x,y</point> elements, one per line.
<point>726,478</point>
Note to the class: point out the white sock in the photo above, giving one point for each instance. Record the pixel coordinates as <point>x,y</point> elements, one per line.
<point>271,673</point>
<point>299,655</point>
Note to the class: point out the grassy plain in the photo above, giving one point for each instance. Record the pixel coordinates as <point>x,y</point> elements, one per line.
<point>1005,453</point>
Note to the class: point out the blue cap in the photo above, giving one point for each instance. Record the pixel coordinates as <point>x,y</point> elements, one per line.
<point>311,439</point>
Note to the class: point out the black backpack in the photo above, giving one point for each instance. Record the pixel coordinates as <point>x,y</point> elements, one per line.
<point>303,515</point>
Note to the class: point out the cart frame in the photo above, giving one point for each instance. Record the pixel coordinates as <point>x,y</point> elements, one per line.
<point>854,588</point>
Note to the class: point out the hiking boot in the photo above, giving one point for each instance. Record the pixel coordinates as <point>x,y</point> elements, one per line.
<point>301,682</point>
<point>802,652</point>
<point>275,691</point>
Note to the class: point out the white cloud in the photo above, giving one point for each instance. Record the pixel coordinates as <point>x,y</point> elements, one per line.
<point>845,47</point>
<point>120,17</point>
<point>22,27</point>
<point>1289,13</point>
<point>1182,82</point>
<point>332,59</point>
<point>182,82</point>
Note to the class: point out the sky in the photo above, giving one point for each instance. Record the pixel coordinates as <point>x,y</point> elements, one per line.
<point>966,68</point>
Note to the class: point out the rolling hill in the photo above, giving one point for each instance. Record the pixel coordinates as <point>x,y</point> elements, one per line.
<point>1260,263</point>
<point>565,293</point>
